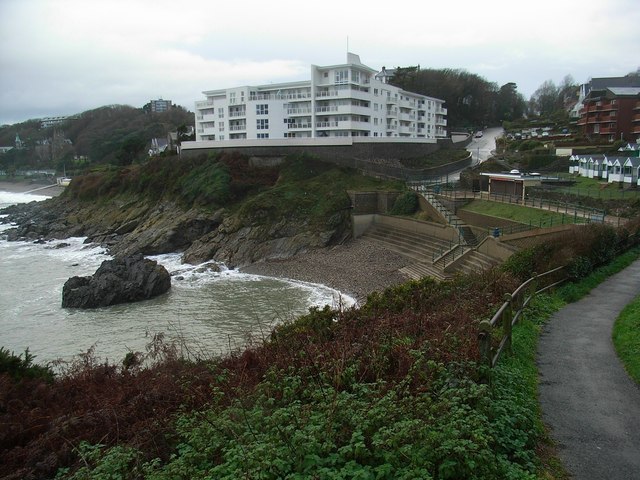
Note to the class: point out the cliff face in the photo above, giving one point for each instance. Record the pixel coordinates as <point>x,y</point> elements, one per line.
<point>131,227</point>
<point>218,207</point>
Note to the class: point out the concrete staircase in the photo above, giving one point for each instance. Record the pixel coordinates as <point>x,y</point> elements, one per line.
<point>474,261</point>
<point>420,248</point>
<point>430,256</point>
<point>467,236</point>
<point>416,246</point>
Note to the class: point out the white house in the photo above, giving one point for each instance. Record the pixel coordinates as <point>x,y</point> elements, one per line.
<point>338,101</point>
<point>630,170</point>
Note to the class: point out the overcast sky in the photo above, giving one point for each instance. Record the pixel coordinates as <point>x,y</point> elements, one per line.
<point>60,57</point>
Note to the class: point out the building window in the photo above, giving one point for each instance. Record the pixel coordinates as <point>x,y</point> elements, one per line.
<point>221,127</point>
<point>221,137</point>
<point>262,123</point>
<point>355,76</point>
<point>263,135</point>
<point>262,109</point>
<point>221,113</point>
<point>326,74</point>
<point>342,76</point>
<point>375,91</point>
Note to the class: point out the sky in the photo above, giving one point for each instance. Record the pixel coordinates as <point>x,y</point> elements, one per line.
<point>62,57</point>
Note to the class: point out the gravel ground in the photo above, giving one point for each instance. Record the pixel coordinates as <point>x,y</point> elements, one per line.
<point>355,268</point>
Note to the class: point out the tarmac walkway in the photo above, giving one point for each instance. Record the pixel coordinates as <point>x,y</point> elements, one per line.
<point>587,399</point>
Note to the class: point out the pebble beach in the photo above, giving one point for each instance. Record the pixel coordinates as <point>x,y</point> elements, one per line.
<point>356,268</point>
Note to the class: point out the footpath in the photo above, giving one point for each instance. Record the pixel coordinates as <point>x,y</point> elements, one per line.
<point>587,399</point>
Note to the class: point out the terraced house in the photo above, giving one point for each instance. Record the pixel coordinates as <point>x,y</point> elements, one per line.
<point>338,101</point>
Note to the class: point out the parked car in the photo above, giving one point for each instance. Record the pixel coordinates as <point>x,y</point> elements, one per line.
<point>478,135</point>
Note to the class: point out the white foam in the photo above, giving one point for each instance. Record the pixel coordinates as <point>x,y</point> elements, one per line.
<point>11,198</point>
<point>196,276</point>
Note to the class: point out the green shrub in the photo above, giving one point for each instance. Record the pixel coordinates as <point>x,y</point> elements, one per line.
<point>19,368</point>
<point>406,204</point>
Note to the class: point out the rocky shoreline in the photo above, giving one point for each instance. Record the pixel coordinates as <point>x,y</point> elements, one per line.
<point>353,267</point>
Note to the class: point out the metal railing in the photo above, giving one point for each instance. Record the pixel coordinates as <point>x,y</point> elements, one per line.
<point>509,314</point>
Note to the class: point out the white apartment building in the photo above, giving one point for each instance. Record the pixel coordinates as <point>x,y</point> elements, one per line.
<point>338,101</point>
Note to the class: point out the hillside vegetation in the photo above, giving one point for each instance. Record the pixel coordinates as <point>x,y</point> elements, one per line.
<point>115,134</point>
<point>386,391</point>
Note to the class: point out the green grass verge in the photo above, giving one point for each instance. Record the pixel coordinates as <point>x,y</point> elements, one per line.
<point>596,188</point>
<point>525,215</point>
<point>626,338</point>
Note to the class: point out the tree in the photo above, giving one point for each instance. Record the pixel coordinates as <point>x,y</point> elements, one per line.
<point>510,104</point>
<point>470,99</point>
<point>130,150</point>
<point>544,99</point>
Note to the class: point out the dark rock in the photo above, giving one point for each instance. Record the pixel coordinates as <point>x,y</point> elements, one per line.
<point>121,280</point>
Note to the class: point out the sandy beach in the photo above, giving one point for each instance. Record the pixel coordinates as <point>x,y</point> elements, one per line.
<point>355,268</point>
<point>25,186</point>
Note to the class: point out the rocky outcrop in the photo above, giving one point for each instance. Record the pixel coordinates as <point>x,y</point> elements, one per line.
<point>127,227</point>
<point>237,244</point>
<point>122,280</point>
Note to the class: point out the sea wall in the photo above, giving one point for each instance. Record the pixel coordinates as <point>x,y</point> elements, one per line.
<point>378,157</point>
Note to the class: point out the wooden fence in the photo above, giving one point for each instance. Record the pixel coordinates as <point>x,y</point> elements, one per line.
<point>509,314</point>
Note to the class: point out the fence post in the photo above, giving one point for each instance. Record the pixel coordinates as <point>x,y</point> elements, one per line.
<point>534,285</point>
<point>484,344</point>
<point>507,318</point>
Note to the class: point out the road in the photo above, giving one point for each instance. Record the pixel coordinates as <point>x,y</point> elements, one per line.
<point>481,148</point>
<point>586,397</point>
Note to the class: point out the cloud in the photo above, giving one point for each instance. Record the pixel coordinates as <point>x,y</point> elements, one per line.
<point>66,56</point>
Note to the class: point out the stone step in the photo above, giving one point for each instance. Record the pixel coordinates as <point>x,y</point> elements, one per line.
<point>415,246</point>
<point>419,270</point>
<point>476,261</point>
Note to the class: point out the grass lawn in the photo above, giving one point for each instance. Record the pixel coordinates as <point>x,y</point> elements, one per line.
<point>597,188</point>
<point>626,338</point>
<point>526,215</point>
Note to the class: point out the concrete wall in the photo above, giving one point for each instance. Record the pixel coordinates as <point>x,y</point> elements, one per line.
<point>376,157</point>
<point>364,203</point>
<point>531,238</point>
<point>443,232</point>
<point>496,249</point>
<point>484,221</point>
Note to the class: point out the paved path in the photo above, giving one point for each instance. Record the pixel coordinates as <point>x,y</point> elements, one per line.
<point>591,405</point>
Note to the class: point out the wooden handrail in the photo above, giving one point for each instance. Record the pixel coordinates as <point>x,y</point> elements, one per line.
<point>507,316</point>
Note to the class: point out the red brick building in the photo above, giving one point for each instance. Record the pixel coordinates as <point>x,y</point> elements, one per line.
<point>611,113</point>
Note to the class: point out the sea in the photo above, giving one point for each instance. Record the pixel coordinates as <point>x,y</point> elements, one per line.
<point>205,313</point>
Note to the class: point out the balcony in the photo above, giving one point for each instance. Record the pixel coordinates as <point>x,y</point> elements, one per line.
<point>239,113</point>
<point>327,109</point>
<point>204,104</point>
<point>441,111</point>
<point>208,131</point>
<point>636,118</point>
<point>326,124</point>
<point>298,126</point>
<point>299,111</point>
<point>392,112</point>
<point>441,122</point>
<point>237,128</point>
